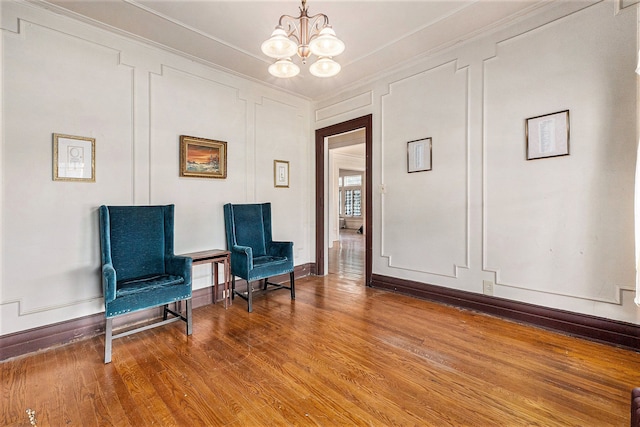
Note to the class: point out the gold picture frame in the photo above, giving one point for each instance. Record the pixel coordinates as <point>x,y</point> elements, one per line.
<point>202,158</point>
<point>74,158</point>
<point>281,174</point>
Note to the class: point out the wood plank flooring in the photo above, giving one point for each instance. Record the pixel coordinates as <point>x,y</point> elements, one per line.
<point>346,256</point>
<point>340,354</point>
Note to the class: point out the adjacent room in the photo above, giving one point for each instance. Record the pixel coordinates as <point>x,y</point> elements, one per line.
<point>247,213</point>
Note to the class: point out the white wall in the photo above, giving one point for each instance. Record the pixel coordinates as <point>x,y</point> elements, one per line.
<point>62,76</point>
<point>555,232</point>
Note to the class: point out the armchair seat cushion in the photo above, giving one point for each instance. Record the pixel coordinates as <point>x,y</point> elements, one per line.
<point>273,260</point>
<point>147,284</point>
<point>269,266</point>
<point>144,300</point>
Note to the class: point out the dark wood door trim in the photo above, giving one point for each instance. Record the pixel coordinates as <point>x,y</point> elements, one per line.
<point>365,122</point>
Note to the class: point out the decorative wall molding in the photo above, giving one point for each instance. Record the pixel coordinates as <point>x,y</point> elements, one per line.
<point>106,86</point>
<point>455,268</point>
<point>194,30</point>
<point>581,325</point>
<point>347,106</point>
<point>108,58</point>
<point>43,309</point>
<point>617,299</point>
<point>66,14</point>
<point>621,5</point>
<point>206,79</point>
<point>512,45</point>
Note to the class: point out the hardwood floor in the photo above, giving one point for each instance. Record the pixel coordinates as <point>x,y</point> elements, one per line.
<point>340,354</point>
<point>346,256</point>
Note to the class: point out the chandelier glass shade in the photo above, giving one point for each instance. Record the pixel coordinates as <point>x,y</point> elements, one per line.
<point>303,35</point>
<point>324,67</point>
<point>279,45</point>
<point>284,68</point>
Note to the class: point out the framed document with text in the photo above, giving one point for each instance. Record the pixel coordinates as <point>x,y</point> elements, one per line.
<point>548,135</point>
<point>419,155</point>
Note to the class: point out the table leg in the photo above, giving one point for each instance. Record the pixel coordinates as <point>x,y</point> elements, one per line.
<point>227,276</point>
<point>214,271</point>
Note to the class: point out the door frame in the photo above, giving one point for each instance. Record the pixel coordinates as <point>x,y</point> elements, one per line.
<point>365,122</point>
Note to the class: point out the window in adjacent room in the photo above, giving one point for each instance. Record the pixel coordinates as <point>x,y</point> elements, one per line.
<point>351,195</point>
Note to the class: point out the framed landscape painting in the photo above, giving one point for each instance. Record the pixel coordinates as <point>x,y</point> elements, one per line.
<point>202,158</point>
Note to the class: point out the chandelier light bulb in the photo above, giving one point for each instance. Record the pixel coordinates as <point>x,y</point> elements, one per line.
<point>326,43</point>
<point>324,67</point>
<point>284,68</point>
<point>279,45</point>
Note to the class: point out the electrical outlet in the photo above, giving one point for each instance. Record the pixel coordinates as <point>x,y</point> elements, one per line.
<point>487,287</point>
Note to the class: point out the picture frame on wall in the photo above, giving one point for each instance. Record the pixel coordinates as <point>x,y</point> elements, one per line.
<point>74,158</point>
<point>547,135</point>
<point>419,155</point>
<point>281,173</point>
<point>202,158</point>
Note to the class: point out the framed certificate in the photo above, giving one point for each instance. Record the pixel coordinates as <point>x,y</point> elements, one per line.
<point>547,135</point>
<point>419,155</point>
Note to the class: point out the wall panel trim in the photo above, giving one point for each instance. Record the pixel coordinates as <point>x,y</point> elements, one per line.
<point>580,325</point>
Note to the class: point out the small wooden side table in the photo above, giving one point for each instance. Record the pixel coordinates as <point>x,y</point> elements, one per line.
<point>215,257</point>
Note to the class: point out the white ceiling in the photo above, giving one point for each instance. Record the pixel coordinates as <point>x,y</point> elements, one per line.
<point>356,150</point>
<point>379,35</point>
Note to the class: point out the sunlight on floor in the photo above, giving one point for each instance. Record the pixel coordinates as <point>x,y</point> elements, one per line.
<point>346,257</point>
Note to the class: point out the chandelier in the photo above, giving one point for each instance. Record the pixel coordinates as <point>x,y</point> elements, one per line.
<point>304,35</point>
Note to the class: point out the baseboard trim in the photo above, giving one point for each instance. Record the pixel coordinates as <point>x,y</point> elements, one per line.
<point>594,328</point>
<point>44,337</point>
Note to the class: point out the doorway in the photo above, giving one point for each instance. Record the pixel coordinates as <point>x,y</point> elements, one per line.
<point>346,199</point>
<point>322,236</point>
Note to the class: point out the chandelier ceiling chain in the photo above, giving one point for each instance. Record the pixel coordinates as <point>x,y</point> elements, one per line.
<point>303,35</point>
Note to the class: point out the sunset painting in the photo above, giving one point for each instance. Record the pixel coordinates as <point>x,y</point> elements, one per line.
<point>204,158</point>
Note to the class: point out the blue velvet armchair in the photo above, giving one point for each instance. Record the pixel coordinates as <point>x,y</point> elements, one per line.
<point>139,268</point>
<point>254,255</point>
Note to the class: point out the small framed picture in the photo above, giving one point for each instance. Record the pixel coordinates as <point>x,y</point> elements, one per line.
<point>419,155</point>
<point>74,158</point>
<point>202,158</point>
<point>281,173</point>
<point>547,135</point>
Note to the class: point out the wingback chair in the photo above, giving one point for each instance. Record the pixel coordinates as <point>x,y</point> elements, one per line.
<point>254,255</point>
<point>139,269</point>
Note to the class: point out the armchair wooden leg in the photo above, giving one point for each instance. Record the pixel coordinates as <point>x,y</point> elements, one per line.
<point>189,318</point>
<point>108,338</point>
<point>233,287</point>
<point>293,285</point>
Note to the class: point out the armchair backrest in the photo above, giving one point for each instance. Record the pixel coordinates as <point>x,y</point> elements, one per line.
<point>249,225</point>
<point>136,239</point>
